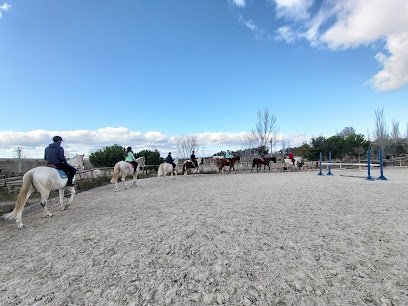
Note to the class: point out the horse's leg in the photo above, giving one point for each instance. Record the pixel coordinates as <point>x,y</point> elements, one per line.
<point>45,193</point>
<point>124,181</point>
<point>135,179</point>
<point>73,192</point>
<point>61,198</point>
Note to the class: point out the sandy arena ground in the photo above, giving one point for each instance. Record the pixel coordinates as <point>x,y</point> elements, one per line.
<point>237,239</point>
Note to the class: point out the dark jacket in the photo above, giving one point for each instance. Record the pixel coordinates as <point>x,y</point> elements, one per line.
<point>54,154</point>
<point>193,158</point>
<point>169,159</point>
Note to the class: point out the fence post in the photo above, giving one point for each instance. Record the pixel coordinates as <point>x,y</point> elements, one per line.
<point>320,164</point>
<point>381,177</point>
<point>329,167</point>
<point>369,177</point>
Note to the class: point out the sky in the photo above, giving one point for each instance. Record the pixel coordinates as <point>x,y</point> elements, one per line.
<point>144,73</point>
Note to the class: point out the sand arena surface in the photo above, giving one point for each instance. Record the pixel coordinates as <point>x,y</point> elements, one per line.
<point>237,239</point>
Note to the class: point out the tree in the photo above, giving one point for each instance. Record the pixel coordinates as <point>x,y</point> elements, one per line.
<point>348,130</point>
<point>266,129</point>
<point>152,157</point>
<point>186,144</point>
<point>381,134</point>
<point>395,132</point>
<point>108,156</point>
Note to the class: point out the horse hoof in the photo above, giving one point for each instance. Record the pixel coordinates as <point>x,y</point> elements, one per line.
<point>50,215</point>
<point>20,226</point>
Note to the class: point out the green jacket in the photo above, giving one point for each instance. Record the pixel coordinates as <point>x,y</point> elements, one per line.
<point>130,157</point>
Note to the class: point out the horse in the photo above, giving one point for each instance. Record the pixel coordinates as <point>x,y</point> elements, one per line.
<point>288,164</point>
<point>262,161</point>
<point>188,164</point>
<point>166,168</point>
<point>230,162</point>
<point>44,179</point>
<point>125,169</point>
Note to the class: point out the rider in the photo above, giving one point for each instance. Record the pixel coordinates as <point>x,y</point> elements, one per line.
<point>130,158</point>
<point>54,155</point>
<point>194,160</point>
<point>228,155</point>
<point>170,160</point>
<point>291,157</point>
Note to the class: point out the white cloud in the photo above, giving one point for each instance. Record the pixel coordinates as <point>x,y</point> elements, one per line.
<point>293,9</point>
<point>346,24</point>
<point>85,142</point>
<point>5,7</point>
<point>395,71</point>
<point>239,3</point>
<point>286,34</point>
<point>257,31</point>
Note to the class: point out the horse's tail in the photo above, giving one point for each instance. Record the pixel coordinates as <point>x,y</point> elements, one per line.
<point>22,195</point>
<point>160,171</point>
<point>253,163</point>
<point>115,175</point>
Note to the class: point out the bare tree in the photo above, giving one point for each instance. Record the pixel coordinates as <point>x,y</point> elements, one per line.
<point>395,132</point>
<point>185,145</point>
<point>406,132</point>
<point>266,129</point>
<point>381,134</point>
<point>348,130</point>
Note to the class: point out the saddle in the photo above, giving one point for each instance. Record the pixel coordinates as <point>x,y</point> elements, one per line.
<point>60,172</point>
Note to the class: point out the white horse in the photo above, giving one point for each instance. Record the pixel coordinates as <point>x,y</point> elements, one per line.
<point>126,169</point>
<point>166,168</point>
<point>44,180</point>
<point>288,164</point>
<point>188,164</point>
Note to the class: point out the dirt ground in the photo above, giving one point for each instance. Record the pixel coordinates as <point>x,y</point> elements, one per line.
<point>237,239</point>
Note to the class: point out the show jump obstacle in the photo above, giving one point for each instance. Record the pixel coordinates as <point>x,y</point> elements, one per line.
<point>368,165</point>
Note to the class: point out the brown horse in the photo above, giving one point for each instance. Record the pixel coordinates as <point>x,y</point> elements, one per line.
<point>262,161</point>
<point>230,162</point>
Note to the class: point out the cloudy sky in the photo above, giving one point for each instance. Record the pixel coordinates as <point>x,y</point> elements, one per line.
<point>143,73</point>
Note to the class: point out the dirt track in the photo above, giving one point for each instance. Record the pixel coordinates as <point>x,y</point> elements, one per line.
<point>238,239</point>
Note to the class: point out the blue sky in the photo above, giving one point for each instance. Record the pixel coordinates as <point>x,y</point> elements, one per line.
<point>144,73</point>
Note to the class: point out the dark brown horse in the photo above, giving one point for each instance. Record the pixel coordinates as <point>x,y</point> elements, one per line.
<point>262,161</point>
<point>230,162</point>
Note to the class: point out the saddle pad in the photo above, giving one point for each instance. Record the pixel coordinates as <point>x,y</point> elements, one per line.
<point>62,173</point>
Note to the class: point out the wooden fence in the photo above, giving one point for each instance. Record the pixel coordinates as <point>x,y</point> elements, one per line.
<point>209,166</point>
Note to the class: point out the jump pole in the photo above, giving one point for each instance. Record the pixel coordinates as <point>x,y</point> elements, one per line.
<point>329,166</point>
<point>381,177</point>
<point>320,164</point>
<point>369,177</point>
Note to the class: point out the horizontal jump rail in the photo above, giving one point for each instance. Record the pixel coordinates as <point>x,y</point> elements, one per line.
<point>351,164</point>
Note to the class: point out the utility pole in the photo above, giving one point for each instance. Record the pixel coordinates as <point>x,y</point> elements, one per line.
<point>19,159</point>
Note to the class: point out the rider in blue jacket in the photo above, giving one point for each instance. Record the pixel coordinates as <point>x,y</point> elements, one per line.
<point>54,155</point>
<point>170,160</point>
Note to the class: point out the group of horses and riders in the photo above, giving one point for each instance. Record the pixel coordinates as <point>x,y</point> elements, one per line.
<point>60,173</point>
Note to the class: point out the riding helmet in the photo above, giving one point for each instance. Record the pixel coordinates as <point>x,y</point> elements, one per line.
<point>57,138</point>
<point>129,149</point>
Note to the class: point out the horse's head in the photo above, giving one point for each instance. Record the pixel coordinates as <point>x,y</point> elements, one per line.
<point>300,162</point>
<point>77,162</point>
<point>141,161</point>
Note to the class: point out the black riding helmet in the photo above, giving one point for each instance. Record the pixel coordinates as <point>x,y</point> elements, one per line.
<point>129,149</point>
<point>57,138</point>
